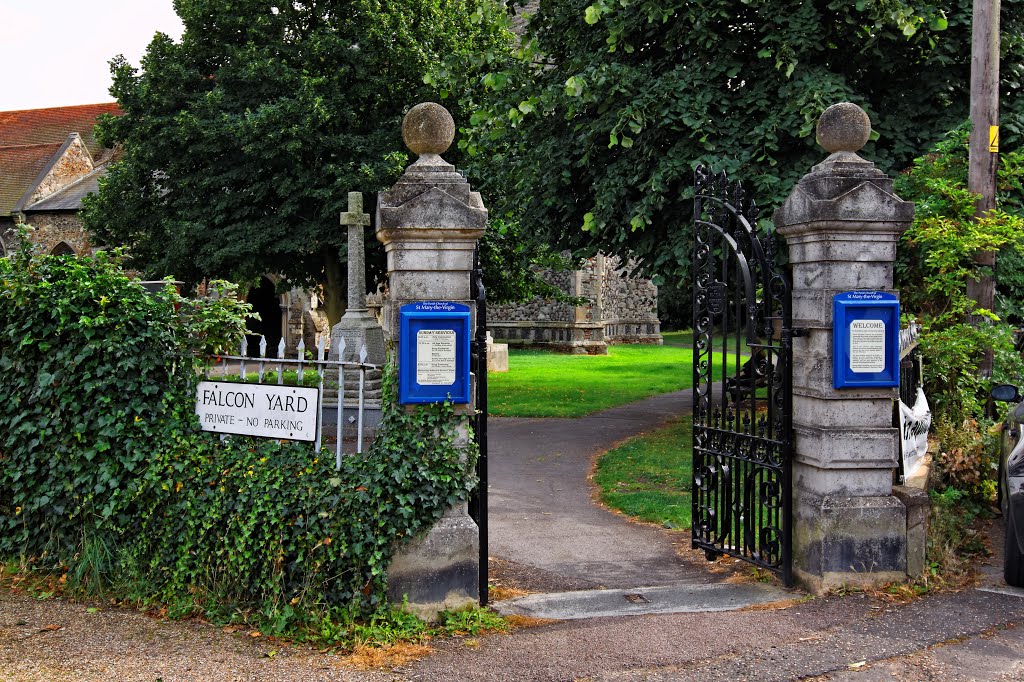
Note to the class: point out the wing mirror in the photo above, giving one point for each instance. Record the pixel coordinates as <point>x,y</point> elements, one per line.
<point>1005,393</point>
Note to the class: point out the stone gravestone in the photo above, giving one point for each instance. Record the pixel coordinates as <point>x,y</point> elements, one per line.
<point>429,223</point>
<point>842,223</point>
<point>357,327</point>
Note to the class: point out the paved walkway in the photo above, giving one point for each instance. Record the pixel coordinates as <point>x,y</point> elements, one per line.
<point>548,534</point>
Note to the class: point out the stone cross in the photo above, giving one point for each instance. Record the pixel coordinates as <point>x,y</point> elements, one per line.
<point>356,220</point>
<point>357,326</point>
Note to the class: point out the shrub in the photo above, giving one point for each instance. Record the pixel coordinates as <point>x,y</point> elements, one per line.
<point>267,524</point>
<point>936,260</point>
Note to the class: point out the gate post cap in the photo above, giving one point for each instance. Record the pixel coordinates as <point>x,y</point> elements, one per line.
<point>428,128</point>
<point>843,127</point>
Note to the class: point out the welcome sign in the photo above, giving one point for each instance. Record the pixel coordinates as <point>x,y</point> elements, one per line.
<point>865,339</point>
<point>265,410</point>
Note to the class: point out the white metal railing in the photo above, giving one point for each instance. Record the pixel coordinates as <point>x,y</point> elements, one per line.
<point>321,365</point>
<point>908,338</point>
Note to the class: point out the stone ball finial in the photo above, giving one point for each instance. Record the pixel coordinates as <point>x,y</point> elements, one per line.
<point>428,128</point>
<point>843,127</point>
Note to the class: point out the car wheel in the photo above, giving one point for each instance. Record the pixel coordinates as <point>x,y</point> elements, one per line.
<point>1013,558</point>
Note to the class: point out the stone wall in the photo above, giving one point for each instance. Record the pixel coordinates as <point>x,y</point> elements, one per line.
<point>629,304</point>
<point>540,309</point>
<point>8,237</point>
<point>618,308</point>
<point>50,229</point>
<point>75,163</point>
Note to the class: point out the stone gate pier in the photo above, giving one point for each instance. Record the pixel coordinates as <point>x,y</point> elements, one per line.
<point>430,222</point>
<point>842,223</point>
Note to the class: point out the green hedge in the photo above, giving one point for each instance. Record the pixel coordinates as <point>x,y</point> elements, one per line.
<point>105,474</point>
<point>93,370</point>
<point>269,524</point>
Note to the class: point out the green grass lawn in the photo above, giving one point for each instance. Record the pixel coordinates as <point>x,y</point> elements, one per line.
<point>649,477</point>
<point>680,339</point>
<point>545,384</point>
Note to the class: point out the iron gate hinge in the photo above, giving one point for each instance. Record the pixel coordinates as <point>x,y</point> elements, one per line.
<point>799,331</point>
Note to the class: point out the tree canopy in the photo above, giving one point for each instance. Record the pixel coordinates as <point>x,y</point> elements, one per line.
<point>590,136</point>
<point>241,140</point>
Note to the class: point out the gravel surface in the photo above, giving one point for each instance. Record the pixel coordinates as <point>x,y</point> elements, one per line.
<point>54,640</point>
<point>588,649</point>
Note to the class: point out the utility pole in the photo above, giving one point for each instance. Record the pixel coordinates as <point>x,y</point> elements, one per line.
<point>984,141</point>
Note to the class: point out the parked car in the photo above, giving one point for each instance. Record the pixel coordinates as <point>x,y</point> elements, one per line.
<point>1011,484</point>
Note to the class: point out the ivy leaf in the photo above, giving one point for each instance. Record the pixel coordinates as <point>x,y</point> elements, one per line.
<point>574,86</point>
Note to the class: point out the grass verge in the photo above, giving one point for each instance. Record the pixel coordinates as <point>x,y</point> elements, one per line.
<point>649,477</point>
<point>545,384</point>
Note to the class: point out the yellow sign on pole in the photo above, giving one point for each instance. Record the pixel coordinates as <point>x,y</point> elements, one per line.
<point>993,139</point>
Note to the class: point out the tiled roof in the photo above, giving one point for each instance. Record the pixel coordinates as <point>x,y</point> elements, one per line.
<point>69,197</point>
<point>49,126</point>
<point>19,168</point>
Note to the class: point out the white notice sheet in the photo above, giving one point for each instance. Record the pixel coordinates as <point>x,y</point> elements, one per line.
<point>867,346</point>
<point>435,357</point>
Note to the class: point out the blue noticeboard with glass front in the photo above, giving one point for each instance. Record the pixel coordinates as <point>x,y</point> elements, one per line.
<point>865,340</point>
<point>433,352</point>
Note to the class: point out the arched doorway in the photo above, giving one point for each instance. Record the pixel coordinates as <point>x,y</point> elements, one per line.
<point>265,302</point>
<point>62,249</point>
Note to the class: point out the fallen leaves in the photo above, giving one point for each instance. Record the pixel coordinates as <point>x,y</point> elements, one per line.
<point>391,656</point>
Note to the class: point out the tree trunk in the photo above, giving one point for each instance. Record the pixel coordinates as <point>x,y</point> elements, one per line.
<point>335,294</point>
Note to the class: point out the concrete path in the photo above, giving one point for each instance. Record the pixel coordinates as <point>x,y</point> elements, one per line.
<point>546,528</point>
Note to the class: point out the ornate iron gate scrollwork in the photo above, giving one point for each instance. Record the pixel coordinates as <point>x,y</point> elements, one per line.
<point>742,382</point>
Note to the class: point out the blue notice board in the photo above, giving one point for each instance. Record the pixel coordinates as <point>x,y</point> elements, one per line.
<point>865,340</point>
<point>433,352</point>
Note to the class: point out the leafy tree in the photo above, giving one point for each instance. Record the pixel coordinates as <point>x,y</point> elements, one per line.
<point>595,128</point>
<point>242,140</point>
<point>936,260</point>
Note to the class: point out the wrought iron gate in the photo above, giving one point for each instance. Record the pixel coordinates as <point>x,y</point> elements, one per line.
<point>742,392</point>
<point>478,365</point>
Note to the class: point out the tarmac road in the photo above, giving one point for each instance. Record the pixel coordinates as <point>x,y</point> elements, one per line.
<point>975,634</point>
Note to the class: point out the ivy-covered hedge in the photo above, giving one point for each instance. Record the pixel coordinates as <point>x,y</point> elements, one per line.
<point>92,370</point>
<point>106,477</point>
<point>259,522</point>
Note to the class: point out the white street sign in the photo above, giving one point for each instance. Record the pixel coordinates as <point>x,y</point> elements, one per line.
<point>265,410</point>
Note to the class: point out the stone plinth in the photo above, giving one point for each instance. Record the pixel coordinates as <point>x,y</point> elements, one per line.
<point>438,570</point>
<point>842,223</point>
<point>429,223</point>
<point>497,355</point>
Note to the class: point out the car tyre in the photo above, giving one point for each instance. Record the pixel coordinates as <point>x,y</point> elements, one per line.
<point>1013,558</point>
